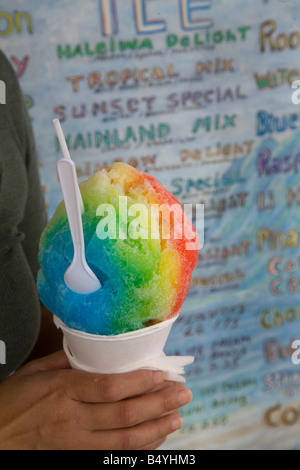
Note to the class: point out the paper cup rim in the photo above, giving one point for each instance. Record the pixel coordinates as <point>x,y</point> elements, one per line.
<point>120,337</point>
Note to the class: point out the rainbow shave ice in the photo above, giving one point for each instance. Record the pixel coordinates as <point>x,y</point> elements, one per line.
<point>144,272</point>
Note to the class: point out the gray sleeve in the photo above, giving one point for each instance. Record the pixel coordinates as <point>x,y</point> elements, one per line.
<point>22,218</point>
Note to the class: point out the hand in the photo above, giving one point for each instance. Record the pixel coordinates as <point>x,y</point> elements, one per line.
<point>47,405</point>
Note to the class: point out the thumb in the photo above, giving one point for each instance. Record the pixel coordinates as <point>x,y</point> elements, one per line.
<point>55,361</point>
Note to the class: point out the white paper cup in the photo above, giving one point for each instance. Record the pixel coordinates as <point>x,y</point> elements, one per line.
<point>114,354</point>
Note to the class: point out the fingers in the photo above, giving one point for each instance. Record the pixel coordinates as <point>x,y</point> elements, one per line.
<point>134,411</point>
<point>55,361</point>
<point>165,384</point>
<point>154,445</point>
<point>100,388</point>
<point>138,437</point>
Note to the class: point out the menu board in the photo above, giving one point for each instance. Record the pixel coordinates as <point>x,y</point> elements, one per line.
<point>205,96</point>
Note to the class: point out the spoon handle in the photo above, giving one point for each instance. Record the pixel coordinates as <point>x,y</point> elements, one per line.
<point>66,155</point>
<point>68,180</point>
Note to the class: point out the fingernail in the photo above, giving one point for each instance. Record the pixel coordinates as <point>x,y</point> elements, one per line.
<point>176,423</point>
<point>158,376</point>
<point>184,396</point>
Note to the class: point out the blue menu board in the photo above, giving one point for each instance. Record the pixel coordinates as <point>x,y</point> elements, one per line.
<point>205,96</point>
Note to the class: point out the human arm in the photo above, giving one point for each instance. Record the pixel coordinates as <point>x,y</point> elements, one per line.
<point>22,218</point>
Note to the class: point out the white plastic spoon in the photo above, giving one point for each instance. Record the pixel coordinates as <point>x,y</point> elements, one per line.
<point>78,277</point>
